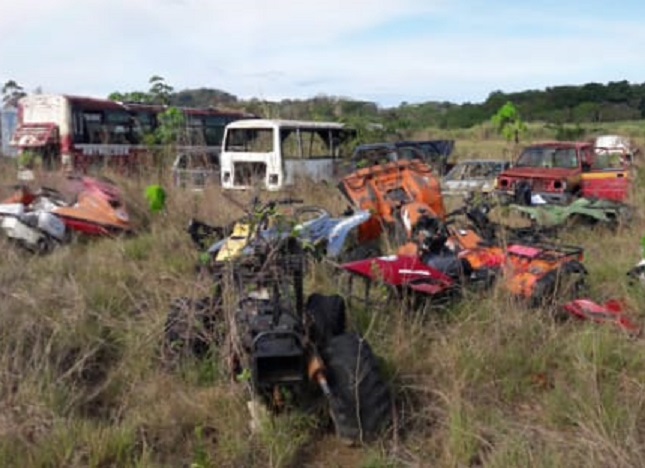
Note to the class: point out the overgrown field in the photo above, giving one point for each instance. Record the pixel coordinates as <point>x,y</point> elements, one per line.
<point>484,383</point>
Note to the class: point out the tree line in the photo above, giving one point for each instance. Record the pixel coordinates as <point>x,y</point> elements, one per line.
<point>557,105</point>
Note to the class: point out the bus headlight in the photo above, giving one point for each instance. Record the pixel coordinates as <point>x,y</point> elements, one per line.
<point>273,179</point>
<point>227,177</point>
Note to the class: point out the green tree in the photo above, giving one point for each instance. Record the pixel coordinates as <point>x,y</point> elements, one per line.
<point>160,92</point>
<point>12,92</point>
<point>138,97</point>
<point>170,131</point>
<point>172,125</point>
<point>508,123</point>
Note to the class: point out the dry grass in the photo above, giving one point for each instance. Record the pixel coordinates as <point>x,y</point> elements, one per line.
<point>485,383</point>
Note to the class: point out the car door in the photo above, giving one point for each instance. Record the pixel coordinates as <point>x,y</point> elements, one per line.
<point>609,177</point>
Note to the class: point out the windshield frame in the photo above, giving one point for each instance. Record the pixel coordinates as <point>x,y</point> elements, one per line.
<point>549,157</point>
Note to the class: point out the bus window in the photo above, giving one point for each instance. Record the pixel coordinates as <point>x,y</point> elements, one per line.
<point>141,124</point>
<point>93,123</point>
<point>252,140</point>
<point>305,144</point>
<point>194,134</point>
<point>214,130</point>
<point>117,127</point>
<point>291,144</point>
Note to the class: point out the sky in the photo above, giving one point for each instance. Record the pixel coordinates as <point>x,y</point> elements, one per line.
<point>385,51</point>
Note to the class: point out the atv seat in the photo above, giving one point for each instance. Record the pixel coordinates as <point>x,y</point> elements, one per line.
<point>447,263</point>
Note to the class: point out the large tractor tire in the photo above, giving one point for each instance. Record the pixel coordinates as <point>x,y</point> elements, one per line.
<point>361,404</point>
<point>328,317</point>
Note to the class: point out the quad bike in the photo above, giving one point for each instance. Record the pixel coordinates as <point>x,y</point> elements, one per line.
<point>585,210</point>
<point>444,258</point>
<point>291,351</point>
<point>41,220</point>
<point>544,274</point>
<point>439,262</point>
<point>314,227</point>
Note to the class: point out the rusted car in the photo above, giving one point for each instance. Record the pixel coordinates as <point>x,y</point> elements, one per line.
<point>472,176</point>
<point>610,176</point>
<point>550,171</point>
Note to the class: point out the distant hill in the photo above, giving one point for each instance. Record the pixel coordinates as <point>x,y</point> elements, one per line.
<point>591,102</point>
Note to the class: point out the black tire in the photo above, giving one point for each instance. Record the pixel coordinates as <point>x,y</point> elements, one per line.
<point>636,275</point>
<point>191,328</point>
<point>361,404</point>
<point>561,285</point>
<point>328,316</point>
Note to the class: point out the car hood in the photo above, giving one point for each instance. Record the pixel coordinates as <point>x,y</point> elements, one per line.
<point>538,173</point>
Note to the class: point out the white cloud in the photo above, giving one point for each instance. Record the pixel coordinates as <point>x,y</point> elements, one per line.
<point>284,48</point>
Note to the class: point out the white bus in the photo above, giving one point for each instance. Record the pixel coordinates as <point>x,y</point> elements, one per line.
<point>270,154</point>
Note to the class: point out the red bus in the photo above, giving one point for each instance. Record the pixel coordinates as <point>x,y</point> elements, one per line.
<point>86,134</point>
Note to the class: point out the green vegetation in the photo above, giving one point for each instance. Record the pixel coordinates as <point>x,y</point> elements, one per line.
<point>507,122</point>
<point>559,106</point>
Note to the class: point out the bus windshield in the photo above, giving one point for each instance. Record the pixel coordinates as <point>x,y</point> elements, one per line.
<point>249,140</point>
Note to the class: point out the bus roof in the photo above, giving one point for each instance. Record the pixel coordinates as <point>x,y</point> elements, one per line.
<point>97,104</point>
<point>281,123</point>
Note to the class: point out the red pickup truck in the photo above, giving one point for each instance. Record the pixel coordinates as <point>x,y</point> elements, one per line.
<point>552,170</point>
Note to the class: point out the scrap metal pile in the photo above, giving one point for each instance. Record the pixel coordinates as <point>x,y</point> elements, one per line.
<point>442,257</point>
<point>43,219</point>
<point>397,233</point>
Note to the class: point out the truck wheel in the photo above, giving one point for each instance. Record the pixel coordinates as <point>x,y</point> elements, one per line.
<point>328,316</point>
<point>360,406</point>
<point>191,328</point>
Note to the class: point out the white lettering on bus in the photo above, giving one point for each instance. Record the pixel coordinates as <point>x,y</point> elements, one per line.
<point>105,150</point>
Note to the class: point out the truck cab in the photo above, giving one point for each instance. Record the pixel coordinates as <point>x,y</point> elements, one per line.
<point>611,173</point>
<point>552,170</point>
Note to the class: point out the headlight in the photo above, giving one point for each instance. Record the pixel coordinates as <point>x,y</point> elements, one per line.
<point>560,185</point>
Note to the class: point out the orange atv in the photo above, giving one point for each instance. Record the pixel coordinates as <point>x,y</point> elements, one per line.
<point>459,253</point>
<point>544,274</point>
<point>398,194</point>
